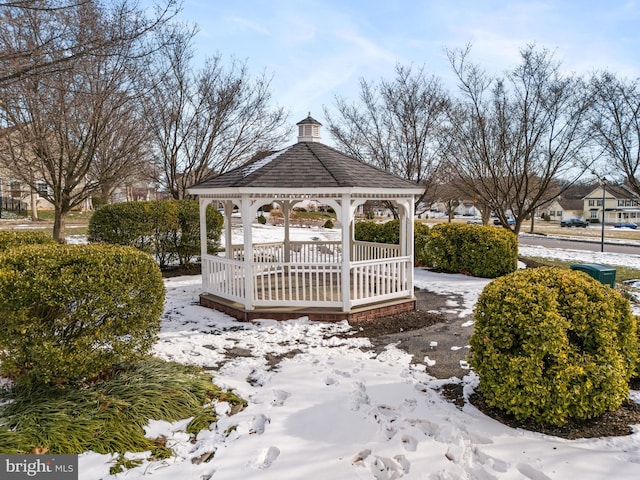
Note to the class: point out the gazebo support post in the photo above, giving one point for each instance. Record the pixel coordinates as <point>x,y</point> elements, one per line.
<point>345,219</point>
<point>203,234</point>
<point>286,211</point>
<point>228,242</point>
<point>247,232</point>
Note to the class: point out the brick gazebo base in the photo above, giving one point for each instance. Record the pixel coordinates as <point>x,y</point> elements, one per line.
<point>370,312</point>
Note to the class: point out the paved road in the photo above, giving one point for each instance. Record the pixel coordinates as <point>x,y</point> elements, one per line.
<point>592,246</point>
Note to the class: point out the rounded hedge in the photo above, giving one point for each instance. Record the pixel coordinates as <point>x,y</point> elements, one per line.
<point>551,344</point>
<point>70,312</point>
<point>12,238</point>
<point>167,229</point>
<point>481,251</point>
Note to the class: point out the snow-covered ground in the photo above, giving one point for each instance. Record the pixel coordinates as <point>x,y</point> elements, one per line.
<point>322,407</point>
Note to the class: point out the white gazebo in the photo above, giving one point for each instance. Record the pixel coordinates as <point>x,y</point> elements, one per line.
<point>324,280</point>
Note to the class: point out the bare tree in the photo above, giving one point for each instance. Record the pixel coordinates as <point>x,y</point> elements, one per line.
<point>512,138</point>
<point>395,126</point>
<point>74,127</point>
<point>204,122</point>
<point>43,36</point>
<point>616,123</point>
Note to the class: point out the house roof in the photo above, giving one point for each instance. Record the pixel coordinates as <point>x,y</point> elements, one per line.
<point>571,204</point>
<point>305,165</point>
<point>615,191</point>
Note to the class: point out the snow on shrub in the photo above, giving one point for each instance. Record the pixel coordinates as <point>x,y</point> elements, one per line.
<point>552,344</point>
<point>481,251</point>
<point>72,311</point>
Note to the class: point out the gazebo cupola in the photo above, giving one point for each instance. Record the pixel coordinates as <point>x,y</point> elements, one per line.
<point>309,129</point>
<point>290,278</point>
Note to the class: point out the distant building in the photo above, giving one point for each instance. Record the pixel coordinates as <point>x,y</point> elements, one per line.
<point>620,204</point>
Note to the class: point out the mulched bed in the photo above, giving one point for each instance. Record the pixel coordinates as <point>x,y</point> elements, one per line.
<point>610,424</point>
<point>402,322</point>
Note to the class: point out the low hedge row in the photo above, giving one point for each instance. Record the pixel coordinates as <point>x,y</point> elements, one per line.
<point>167,229</point>
<point>389,232</point>
<point>481,251</point>
<point>69,312</point>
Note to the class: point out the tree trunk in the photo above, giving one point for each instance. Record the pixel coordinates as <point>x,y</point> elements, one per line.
<point>59,226</point>
<point>34,205</point>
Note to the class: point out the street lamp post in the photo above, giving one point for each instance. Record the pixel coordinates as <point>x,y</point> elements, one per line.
<point>604,192</point>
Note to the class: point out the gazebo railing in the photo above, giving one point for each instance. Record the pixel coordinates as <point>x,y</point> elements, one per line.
<point>223,277</point>
<point>378,280</point>
<point>362,251</point>
<point>312,278</point>
<point>300,252</point>
<point>310,284</point>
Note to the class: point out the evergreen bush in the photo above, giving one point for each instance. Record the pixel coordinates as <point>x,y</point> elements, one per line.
<point>167,229</point>
<point>12,238</point>
<point>421,235</point>
<point>328,224</point>
<point>388,232</point>
<point>481,251</point>
<point>552,344</point>
<point>70,312</point>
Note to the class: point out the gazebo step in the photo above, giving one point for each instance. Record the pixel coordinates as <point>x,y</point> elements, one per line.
<point>359,314</point>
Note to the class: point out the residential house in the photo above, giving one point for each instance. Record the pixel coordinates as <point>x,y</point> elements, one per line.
<point>563,208</point>
<point>620,204</point>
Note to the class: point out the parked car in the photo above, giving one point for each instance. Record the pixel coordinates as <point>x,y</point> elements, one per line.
<point>574,222</point>
<point>627,225</point>
<point>510,221</point>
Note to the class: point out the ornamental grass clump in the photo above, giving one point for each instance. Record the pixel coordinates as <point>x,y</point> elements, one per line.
<point>109,416</point>
<point>70,312</point>
<point>552,344</point>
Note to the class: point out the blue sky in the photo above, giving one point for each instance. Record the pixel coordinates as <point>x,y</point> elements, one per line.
<point>318,49</point>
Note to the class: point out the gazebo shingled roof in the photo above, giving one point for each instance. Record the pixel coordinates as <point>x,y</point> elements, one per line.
<point>306,165</point>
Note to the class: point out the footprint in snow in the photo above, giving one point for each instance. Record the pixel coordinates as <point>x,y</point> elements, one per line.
<point>266,457</point>
<point>409,443</point>
<point>384,468</point>
<point>279,397</point>
<point>258,424</point>
<point>359,397</point>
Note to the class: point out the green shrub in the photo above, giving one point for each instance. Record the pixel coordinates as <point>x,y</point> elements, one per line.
<point>121,224</point>
<point>71,311</point>
<point>328,224</point>
<point>421,235</point>
<point>552,344</point>
<point>388,232</point>
<point>12,238</point>
<point>481,251</point>
<point>262,220</point>
<point>167,229</point>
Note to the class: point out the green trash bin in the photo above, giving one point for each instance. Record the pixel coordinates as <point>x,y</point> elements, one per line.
<point>602,273</point>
